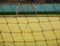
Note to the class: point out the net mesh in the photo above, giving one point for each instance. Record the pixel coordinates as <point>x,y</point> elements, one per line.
<point>30,31</point>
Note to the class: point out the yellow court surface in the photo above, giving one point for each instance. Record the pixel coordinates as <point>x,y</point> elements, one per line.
<point>30,31</point>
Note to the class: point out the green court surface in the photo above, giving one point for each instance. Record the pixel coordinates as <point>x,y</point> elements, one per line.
<point>30,8</point>
<point>41,30</point>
